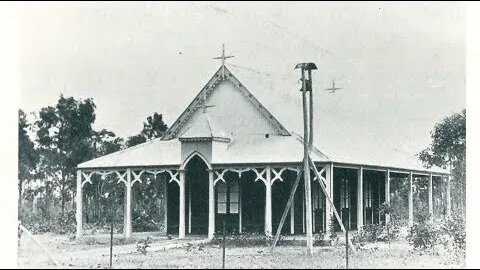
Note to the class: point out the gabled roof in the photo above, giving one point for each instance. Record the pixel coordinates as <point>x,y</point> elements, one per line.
<point>222,74</point>
<point>279,147</point>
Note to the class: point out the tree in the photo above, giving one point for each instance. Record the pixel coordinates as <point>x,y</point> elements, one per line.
<point>27,156</point>
<point>448,149</point>
<point>64,139</point>
<point>448,145</point>
<point>134,140</point>
<point>105,142</point>
<point>153,128</point>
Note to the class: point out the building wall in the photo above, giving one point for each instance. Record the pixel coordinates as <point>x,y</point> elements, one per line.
<point>228,102</point>
<point>202,147</point>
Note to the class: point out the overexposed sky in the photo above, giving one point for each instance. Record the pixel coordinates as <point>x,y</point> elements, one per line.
<point>401,65</point>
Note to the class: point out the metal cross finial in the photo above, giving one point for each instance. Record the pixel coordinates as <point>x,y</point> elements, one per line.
<point>333,88</point>
<point>203,104</point>
<point>223,57</point>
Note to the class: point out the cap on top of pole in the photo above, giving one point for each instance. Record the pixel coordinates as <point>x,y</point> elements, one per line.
<point>306,66</point>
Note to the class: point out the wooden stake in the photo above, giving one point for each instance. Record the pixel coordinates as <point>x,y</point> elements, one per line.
<point>111,243</point>
<point>322,185</point>
<point>223,244</point>
<point>346,249</point>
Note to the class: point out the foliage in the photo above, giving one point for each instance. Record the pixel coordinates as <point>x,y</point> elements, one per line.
<point>448,149</point>
<point>448,142</point>
<point>50,148</point>
<point>144,245</point>
<point>153,128</point>
<point>455,228</point>
<point>47,216</point>
<point>244,240</point>
<point>63,139</point>
<point>333,234</point>
<point>428,233</point>
<point>27,156</point>
<point>376,233</point>
<point>148,212</point>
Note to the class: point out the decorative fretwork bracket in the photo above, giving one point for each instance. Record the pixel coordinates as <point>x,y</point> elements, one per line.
<point>277,173</point>
<point>87,177</point>
<point>219,176</point>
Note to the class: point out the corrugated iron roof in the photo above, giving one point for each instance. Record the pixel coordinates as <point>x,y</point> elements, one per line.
<point>256,149</point>
<point>152,153</point>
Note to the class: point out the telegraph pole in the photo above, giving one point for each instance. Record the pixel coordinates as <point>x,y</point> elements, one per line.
<point>307,144</point>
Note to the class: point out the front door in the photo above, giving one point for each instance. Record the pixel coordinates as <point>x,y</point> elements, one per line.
<point>227,206</point>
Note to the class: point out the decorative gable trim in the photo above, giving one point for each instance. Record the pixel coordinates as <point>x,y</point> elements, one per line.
<point>204,139</point>
<point>222,74</point>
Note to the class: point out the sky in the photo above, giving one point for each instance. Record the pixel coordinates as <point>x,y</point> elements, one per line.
<point>401,66</point>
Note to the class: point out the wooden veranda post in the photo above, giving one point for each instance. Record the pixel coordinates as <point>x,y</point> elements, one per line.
<point>78,214</point>
<point>128,205</point>
<point>268,202</point>
<point>211,206</point>
<point>360,198</point>
<point>181,222</point>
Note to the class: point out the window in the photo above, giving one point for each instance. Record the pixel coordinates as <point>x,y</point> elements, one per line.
<point>227,197</point>
<point>345,194</point>
<point>234,198</point>
<point>368,194</point>
<point>221,198</point>
<point>317,197</point>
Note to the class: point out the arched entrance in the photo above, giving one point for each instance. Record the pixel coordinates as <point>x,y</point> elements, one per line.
<point>196,196</point>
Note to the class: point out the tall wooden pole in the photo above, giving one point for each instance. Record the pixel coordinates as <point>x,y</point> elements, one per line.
<point>310,137</point>
<point>306,169</point>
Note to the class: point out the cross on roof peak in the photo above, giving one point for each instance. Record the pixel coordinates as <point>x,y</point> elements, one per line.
<point>223,57</point>
<point>203,103</point>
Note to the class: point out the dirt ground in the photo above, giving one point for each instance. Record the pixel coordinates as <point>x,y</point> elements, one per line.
<point>165,253</point>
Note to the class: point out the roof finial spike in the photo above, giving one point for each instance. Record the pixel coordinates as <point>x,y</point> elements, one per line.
<point>223,58</point>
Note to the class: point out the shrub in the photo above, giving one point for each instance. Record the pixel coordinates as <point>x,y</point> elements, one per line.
<point>244,240</point>
<point>376,232</point>
<point>142,247</point>
<point>423,234</point>
<point>333,234</point>
<point>428,233</point>
<point>455,229</point>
